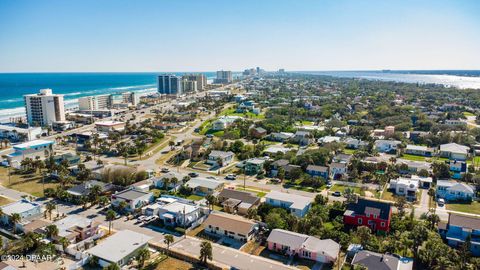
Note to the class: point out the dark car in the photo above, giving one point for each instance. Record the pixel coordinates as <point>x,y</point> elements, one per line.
<point>337,194</point>
<point>193,174</point>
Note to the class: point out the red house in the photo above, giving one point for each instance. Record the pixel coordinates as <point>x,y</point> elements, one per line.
<point>373,214</point>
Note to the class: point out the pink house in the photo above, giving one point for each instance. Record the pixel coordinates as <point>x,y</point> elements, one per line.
<point>303,246</point>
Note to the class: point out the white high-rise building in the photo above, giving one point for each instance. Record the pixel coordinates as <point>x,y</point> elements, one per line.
<point>224,77</point>
<point>44,108</point>
<point>200,78</point>
<point>111,101</point>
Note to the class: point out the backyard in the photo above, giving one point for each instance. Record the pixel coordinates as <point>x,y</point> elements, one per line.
<point>232,111</point>
<point>4,201</point>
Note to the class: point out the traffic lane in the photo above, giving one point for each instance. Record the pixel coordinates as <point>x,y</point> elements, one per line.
<point>231,257</point>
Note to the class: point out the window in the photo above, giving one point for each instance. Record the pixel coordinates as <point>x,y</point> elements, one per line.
<point>359,221</point>
<point>382,224</point>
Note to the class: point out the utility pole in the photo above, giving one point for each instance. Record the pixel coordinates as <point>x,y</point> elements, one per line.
<point>184,224</point>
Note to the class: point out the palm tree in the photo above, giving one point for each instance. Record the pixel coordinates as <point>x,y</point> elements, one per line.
<point>168,240</point>
<point>122,205</point>
<point>205,252</point>
<point>103,200</point>
<point>112,266</point>
<point>174,182</point>
<point>15,218</point>
<point>64,242</point>
<point>211,200</point>
<point>110,216</point>
<point>1,214</point>
<point>49,208</point>
<point>166,182</point>
<point>51,231</point>
<point>143,255</point>
<point>95,192</point>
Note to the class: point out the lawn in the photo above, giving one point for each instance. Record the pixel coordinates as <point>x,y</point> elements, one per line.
<point>413,157</point>
<point>259,193</point>
<point>475,161</point>
<point>174,264</point>
<point>232,112</point>
<point>194,197</point>
<point>31,183</point>
<point>349,151</point>
<point>468,114</point>
<point>388,195</point>
<point>472,208</point>
<point>342,188</point>
<point>205,126</point>
<point>4,201</point>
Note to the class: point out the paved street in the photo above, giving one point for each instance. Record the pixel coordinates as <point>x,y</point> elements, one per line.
<point>11,193</point>
<point>230,256</point>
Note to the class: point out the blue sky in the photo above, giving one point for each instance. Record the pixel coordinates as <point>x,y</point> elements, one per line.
<point>194,35</point>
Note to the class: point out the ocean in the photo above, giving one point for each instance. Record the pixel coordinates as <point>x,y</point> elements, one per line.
<point>75,85</point>
<point>72,85</point>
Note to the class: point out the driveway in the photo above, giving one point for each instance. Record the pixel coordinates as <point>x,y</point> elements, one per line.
<point>12,194</point>
<point>230,256</point>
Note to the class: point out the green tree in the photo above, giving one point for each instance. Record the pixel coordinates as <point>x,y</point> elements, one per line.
<point>110,216</point>
<point>51,231</point>
<point>49,207</point>
<point>143,255</point>
<point>206,252</point>
<point>112,266</point>
<point>168,240</point>
<point>211,200</point>
<point>15,219</point>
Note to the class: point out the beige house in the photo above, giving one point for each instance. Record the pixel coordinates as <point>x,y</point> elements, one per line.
<point>231,226</point>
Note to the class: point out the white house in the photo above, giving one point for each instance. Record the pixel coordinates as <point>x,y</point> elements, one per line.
<point>179,214</point>
<point>19,134</point>
<point>203,186</point>
<point>386,146</point>
<point>406,187</point>
<point>135,199</point>
<point>419,150</point>
<point>297,205</point>
<point>119,248</point>
<point>224,122</point>
<point>31,149</point>
<point>107,126</point>
<point>451,190</point>
<point>454,151</point>
<point>25,208</point>
<point>224,157</point>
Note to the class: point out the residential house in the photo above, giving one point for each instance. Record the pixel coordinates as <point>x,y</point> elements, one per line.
<point>406,187</point>
<point>386,146</point>
<point>220,158</point>
<point>159,181</point>
<point>119,248</point>
<point>457,167</point>
<point>203,186</point>
<point>236,201</point>
<point>419,150</point>
<point>451,190</point>
<point>69,158</point>
<point>413,166</point>
<point>179,213</point>
<point>459,228</point>
<point>373,260</point>
<point>275,149</point>
<point>356,144</point>
<point>135,199</point>
<point>374,214</point>
<point>31,149</point>
<point>254,166</point>
<point>328,139</point>
<point>108,126</point>
<point>302,138</point>
<point>296,204</point>
<point>338,170</point>
<point>258,132</point>
<point>454,151</point>
<point>231,226</point>
<point>84,188</point>
<point>76,228</point>
<point>320,171</point>
<point>224,122</point>
<point>277,165</point>
<point>25,208</point>
<point>280,136</point>
<point>303,246</point>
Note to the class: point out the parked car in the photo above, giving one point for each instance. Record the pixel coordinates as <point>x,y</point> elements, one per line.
<point>193,174</point>
<point>231,177</point>
<point>441,202</point>
<point>211,177</point>
<point>329,185</point>
<point>337,194</point>
<point>165,170</point>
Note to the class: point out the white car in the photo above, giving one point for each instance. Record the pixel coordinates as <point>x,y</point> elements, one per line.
<point>441,202</point>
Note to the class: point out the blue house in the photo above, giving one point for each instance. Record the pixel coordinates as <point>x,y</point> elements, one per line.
<point>320,171</point>
<point>458,168</point>
<point>459,228</point>
<point>454,191</point>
